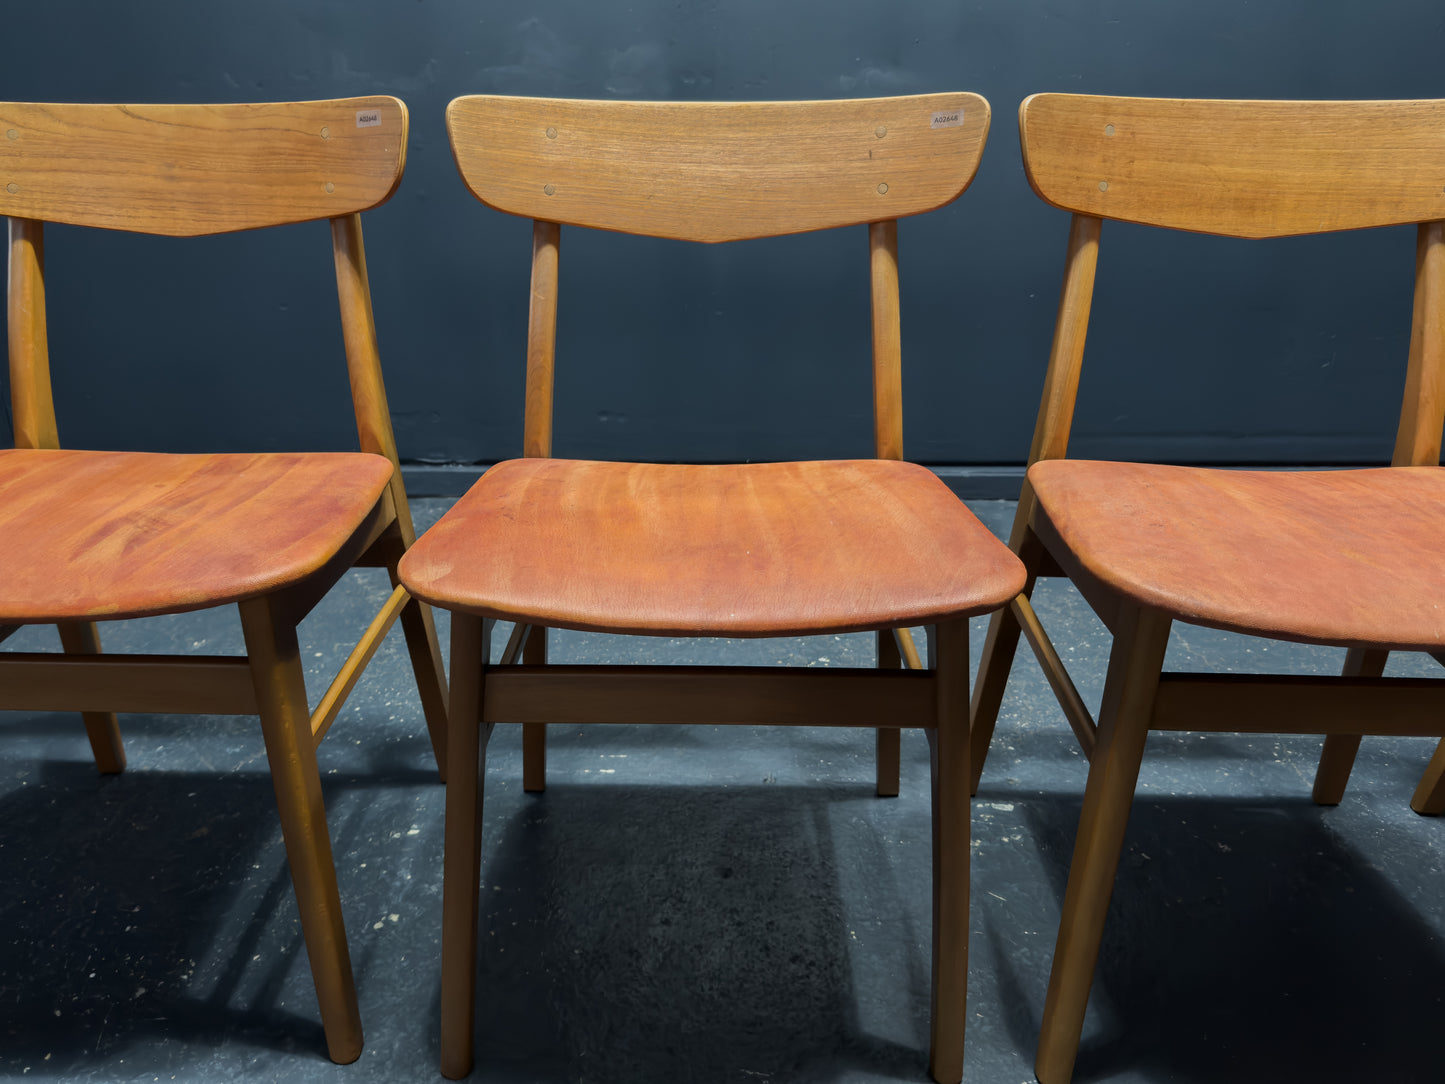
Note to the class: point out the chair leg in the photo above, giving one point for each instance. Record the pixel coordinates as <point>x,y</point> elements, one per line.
<point>1338,756</point>
<point>949,751</point>
<point>461,879</point>
<point>286,726</point>
<point>1129,688</point>
<point>534,735</point>
<point>1001,642</point>
<point>420,630</point>
<point>1429,798</point>
<point>890,739</point>
<point>994,667</point>
<point>101,727</point>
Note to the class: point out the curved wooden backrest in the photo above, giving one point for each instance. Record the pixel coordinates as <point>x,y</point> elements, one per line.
<point>1240,169</point>
<point>190,170</point>
<point>717,171</point>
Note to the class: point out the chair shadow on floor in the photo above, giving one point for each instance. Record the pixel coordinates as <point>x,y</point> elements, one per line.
<point>1247,941</point>
<point>156,905</point>
<point>694,933</point>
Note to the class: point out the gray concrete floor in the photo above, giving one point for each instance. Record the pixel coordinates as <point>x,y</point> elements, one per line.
<point>709,904</point>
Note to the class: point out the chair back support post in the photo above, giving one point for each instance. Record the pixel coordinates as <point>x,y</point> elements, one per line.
<point>711,172</point>
<point>30,398</point>
<point>887,344</point>
<point>358,328</point>
<point>1066,355</point>
<point>363,358</point>
<point>1422,413</point>
<point>541,341</point>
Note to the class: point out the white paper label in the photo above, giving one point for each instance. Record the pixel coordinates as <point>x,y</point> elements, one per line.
<point>947,120</point>
<point>371,118</point>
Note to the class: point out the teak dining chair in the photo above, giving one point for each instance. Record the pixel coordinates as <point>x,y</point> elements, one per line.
<point>762,549</point>
<point>1345,558</point>
<point>92,536</point>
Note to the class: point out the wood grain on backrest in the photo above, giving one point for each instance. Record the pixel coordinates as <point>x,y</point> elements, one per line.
<point>1242,169</point>
<point>190,170</point>
<point>717,171</point>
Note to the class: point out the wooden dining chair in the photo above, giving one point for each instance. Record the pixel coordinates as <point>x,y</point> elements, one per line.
<point>1347,558</point>
<point>91,536</point>
<point>761,549</point>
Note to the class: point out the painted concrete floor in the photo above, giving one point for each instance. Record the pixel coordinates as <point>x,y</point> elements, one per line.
<point>709,904</point>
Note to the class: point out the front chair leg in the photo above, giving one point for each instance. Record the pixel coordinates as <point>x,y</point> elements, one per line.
<point>101,727</point>
<point>949,750</point>
<point>1338,756</point>
<point>1129,688</point>
<point>534,735</point>
<point>286,725</point>
<point>461,879</point>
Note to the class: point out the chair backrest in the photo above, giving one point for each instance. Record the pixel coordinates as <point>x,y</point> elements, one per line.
<point>717,171</point>
<point>191,170</point>
<point>194,170</point>
<point>1250,170</point>
<point>1239,169</point>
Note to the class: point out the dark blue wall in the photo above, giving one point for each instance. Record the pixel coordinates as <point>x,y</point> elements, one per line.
<point>1266,352</point>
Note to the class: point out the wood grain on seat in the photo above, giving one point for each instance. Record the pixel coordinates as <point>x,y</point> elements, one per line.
<point>1350,558</point>
<point>89,535</point>
<point>764,549</point>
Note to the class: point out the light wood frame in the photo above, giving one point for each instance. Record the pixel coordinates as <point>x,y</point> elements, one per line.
<point>191,170</point>
<point>594,154</point>
<point>1241,169</point>
<point>715,172</point>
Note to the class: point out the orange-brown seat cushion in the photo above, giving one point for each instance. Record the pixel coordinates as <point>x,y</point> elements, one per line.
<point>1353,557</point>
<point>766,549</point>
<point>131,534</point>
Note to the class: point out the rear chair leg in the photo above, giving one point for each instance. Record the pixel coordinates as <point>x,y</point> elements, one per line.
<point>101,727</point>
<point>994,666</point>
<point>419,627</point>
<point>534,735</point>
<point>890,743</point>
<point>1429,799</point>
<point>1338,756</point>
<point>1002,641</point>
<point>286,726</point>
